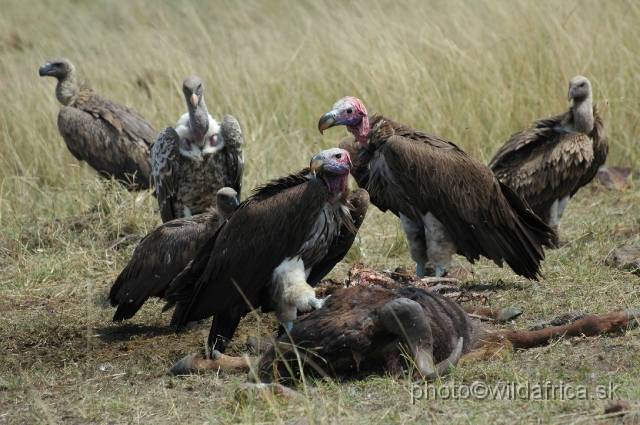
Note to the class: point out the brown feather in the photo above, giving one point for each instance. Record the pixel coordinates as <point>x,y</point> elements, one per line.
<point>545,163</point>
<point>413,173</point>
<point>110,137</point>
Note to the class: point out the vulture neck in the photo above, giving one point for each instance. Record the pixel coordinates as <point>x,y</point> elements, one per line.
<point>583,115</point>
<point>337,185</point>
<point>67,88</point>
<point>198,121</point>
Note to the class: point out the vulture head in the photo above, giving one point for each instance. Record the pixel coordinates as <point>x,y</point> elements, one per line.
<point>348,111</point>
<point>226,202</point>
<point>333,166</point>
<point>65,72</point>
<point>59,68</point>
<point>579,89</point>
<point>198,115</point>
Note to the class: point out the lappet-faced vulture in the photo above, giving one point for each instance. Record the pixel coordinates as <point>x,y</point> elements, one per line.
<point>447,201</point>
<point>112,138</point>
<point>277,244</point>
<point>196,158</point>
<point>548,163</point>
<point>164,253</point>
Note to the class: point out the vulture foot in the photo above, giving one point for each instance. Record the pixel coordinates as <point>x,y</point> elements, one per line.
<point>420,270</point>
<point>316,303</point>
<point>288,325</point>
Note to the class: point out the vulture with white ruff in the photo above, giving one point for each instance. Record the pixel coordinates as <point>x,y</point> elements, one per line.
<point>548,163</point>
<point>447,201</point>
<point>277,244</point>
<point>164,253</point>
<point>196,158</point>
<point>111,138</point>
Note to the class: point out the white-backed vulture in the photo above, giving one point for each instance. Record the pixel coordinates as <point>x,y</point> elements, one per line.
<point>111,138</point>
<point>447,201</point>
<point>164,253</point>
<point>196,158</point>
<point>548,163</point>
<point>277,244</point>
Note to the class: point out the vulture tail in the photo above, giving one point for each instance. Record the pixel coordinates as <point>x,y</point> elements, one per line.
<point>532,232</point>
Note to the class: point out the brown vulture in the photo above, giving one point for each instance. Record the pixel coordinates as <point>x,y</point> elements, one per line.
<point>277,244</point>
<point>196,158</point>
<point>112,138</point>
<point>164,253</point>
<point>447,201</point>
<point>548,163</point>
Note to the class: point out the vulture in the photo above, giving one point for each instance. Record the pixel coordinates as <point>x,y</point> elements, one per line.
<point>447,201</point>
<point>111,138</point>
<point>548,163</point>
<point>164,253</point>
<point>277,244</point>
<point>196,158</point>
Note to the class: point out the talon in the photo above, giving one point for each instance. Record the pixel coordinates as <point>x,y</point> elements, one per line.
<point>316,303</point>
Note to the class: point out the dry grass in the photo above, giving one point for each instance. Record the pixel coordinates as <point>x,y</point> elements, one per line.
<point>473,72</point>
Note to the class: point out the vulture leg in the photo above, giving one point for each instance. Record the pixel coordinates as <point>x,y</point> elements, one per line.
<point>292,292</point>
<point>417,242</point>
<point>440,247</point>
<point>406,319</point>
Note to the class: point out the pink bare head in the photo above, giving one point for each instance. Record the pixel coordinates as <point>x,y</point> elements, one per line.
<point>350,112</point>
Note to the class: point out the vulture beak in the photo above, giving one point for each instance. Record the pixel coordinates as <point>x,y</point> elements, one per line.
<point>571,92</point>
<point>328,120</point>
<point>194,100</point>
<point>44,69</point>
<point>316,162</point>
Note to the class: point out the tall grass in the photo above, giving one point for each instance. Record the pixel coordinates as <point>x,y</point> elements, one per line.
<point>471,71</point>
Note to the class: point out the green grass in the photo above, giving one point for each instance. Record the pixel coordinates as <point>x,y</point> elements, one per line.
<point>471,71</point>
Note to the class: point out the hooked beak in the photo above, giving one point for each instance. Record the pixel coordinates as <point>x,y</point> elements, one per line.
<point>327,120</point>
<point>235,202</point>
<point>194,100</point>
<point>316,162</point>
<point>44,69</point>
<point>571,93</point>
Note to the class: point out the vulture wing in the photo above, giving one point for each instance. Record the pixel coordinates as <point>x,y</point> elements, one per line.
<point>262,232</point>
<point>337,250</point>
<point>481,215</point>
<point>550,166</point>
<point>122,119</point>
<point>158,258</point>
<point>531,137</point>
<point>231,158</point>
<point>166,170</point>
<point>104,147</point>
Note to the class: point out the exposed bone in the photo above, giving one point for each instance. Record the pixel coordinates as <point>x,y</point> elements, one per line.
<point>195,363</point>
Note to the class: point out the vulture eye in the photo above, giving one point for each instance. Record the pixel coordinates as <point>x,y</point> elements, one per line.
<point>338,156</point>
<point>582,85</point>
<point>349,111</point>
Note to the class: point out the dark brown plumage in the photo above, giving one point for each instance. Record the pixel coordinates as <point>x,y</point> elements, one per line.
<point>283,238</point>
<point>550,162</point>
<point>164,253</point>
<point>110,137</point>
<point>447,201</point>
<point>196,158</point>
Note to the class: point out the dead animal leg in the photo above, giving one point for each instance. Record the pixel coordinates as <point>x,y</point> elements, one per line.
<point>499,315</point>
<point>406,319</point>
<point>195,363</point>
<point>591,325</point>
